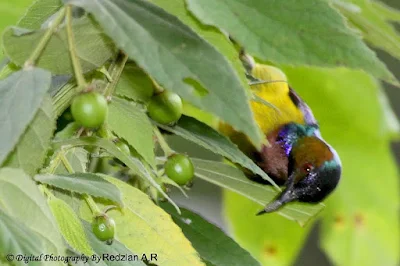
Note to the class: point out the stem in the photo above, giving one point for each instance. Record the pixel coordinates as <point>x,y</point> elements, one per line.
<point>157,88</point>
<point>72,51</point>
<point>89,200</point>
<point>115,73</point>
<point>45,39</point>
<point>163,143</point>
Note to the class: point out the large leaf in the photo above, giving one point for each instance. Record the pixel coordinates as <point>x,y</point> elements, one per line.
<point>361,225</point>
<point>207,137</point>
<point>177,58</point>
<point>143,227</point>
<point>92,46</point>
<point>296,32</point>
<point>21,199</point>
<point>107,251</point>
<point>83,183</point>
<point>16,238</point>
<point>30,152</point>
<point>70,226</point>
<point>38,13</point>
<point>211,34</point>
<point>373,19</point>
<point>213,245</point>
<point>270,238</point>
<point>20,97</point>
<point>131,123</point>
<point>233,179</point>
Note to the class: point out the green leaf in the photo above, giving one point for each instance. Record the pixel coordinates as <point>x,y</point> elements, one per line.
<point>21,199</point>
<point>359,225</point>
<point>92,46</point>
<point>38,13</point>
<point>10,11</point>
<point>78,159</point>
<point>185,63</point>
<point>143,227</point>
<point>133,163</point>
<point>295,32</point>
<point>373,19</point>
<point>131,123</point>
<point>70,226</point>
<point>83,183</point>
<point>134,84</point>
<point>16,238</point>
<point>270,238</point>
<point>207,137</point>
<point>210,34</point>
<point>231,178</point>
<point>30,152</point>
<point>20,97</point>
<point>76,156</point>
<point>212,244</point>
<point>117,248</point>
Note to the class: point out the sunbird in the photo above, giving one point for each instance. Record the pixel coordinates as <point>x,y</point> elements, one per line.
<point>296,156</point>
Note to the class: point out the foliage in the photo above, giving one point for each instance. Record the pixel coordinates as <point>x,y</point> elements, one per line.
<point>55,176</point>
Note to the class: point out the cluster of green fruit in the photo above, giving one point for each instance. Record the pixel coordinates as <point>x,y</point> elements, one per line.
<point>89,110</point>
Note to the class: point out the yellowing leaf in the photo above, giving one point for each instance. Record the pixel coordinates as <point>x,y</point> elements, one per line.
<point>143,227</point>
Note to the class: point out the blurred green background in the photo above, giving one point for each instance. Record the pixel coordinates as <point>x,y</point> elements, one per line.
<point>206,198</point>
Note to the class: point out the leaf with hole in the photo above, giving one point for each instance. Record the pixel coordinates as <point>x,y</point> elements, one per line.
<point>186,63</point>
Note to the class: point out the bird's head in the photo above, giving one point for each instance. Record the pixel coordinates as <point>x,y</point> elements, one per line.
<point>314,172</point>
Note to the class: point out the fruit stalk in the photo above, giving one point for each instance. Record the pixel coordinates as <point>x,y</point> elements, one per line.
<point>72,51</point>
<point>45,39</point>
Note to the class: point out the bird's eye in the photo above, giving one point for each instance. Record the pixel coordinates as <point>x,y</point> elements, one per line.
<point>307,167</point>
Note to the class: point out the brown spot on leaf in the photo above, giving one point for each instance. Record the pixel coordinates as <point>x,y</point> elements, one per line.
<point>270,250</point>
<point>339,220</point>
<point>359,220</point>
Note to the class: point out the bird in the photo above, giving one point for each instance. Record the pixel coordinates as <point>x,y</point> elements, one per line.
<point>296,156</point>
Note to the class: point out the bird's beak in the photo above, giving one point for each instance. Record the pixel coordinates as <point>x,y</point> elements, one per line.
<point>286,196</point>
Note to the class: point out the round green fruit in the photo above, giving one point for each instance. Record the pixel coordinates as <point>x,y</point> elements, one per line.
<point>165,107</point>
<point>179,168</point>
<point>89,109</point>
<point>103,227</point>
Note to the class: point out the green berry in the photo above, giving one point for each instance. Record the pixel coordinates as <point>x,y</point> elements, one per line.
<point>103,227</point>
<point>179,168</point>
<point>89,109</point>
<point>165,107</point>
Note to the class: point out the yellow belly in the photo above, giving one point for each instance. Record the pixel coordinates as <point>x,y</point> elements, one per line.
<point>268,118</point>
